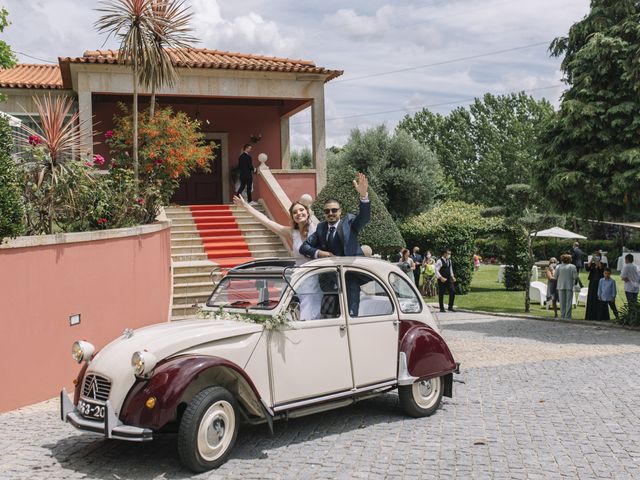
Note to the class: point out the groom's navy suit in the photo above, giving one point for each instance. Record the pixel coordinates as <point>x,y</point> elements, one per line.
<point>346,244</point>
<point>343,244</point>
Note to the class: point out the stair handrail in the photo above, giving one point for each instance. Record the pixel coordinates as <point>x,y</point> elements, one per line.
<point>282,200</point>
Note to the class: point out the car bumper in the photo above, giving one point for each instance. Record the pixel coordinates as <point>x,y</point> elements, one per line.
<point>112,427</point>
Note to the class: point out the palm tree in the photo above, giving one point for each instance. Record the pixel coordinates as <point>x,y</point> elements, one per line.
<point>133,22</point>
<point>172,32</point>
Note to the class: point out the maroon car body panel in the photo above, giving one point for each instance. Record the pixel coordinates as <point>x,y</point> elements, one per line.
<point>167,384</point>
<point>428,355</point>
<point>77,390</point>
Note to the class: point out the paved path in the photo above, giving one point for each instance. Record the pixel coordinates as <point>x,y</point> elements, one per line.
<point>538,400</point>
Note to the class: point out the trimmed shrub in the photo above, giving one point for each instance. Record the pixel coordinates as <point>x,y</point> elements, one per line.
<point>11,206</point>
<point>453,225</point>
<point>516,258</point>
<point>381,233</point>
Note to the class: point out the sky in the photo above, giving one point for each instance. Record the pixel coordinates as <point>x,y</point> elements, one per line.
<point>398,56</point>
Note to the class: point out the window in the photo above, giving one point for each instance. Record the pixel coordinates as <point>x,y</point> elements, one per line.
<point>366,297</point>
<point>407,297</point>
<point>260,293</point>
<point>318,296</point>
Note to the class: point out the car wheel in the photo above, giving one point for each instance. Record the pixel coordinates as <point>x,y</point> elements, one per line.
<point>422,398</point>
<point>208,429</point>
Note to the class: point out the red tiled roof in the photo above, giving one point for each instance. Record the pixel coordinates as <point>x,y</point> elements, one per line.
<point>203,58</point>
<point>31,76</point>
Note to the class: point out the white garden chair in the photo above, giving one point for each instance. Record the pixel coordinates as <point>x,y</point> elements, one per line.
<point>538,292</point>
<point>582,296</point>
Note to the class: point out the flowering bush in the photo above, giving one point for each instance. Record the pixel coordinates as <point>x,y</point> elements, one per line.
<point>90,202</point>
<point>171,147</point>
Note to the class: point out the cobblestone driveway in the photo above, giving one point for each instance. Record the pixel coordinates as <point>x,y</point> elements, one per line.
<point>535,400</point>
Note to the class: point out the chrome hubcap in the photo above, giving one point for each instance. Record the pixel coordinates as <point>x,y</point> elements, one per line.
<point>426,392</point>
<point>216,430</point>
<point>425,388</point>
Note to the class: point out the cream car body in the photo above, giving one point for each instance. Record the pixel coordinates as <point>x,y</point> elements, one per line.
<point>356,327</point>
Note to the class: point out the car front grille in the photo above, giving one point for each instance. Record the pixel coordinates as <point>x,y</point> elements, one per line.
<point>96,387</point>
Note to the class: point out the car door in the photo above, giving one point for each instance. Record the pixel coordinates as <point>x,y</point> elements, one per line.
<point>311,358</point>
<point>373,328</point>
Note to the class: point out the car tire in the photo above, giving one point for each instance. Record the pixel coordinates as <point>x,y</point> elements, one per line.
<point>421,398</point>
<point>208,429</point>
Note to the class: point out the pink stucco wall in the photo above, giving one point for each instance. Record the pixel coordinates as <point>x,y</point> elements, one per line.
<point>295,184</point>
<point>113,283</point>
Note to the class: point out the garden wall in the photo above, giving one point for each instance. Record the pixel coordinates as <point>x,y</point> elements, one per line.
<point>114,279</point>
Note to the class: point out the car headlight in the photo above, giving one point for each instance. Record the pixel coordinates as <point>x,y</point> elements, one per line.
<point>143,363</point>
<point>82,351</point>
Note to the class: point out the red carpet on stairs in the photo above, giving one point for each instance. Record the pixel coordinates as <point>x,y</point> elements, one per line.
<point>221,236</point>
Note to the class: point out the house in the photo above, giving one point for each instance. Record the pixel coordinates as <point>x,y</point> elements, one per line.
<point>234,95</point>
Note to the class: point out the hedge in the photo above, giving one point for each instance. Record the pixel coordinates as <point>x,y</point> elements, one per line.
<point>11,206</point>
<point>454,225</point>
<point>381,233</point>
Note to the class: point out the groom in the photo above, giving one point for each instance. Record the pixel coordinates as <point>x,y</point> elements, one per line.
<point>338,236</point>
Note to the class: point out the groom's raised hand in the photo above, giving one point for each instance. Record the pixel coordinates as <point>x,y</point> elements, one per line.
<point>362,185</point>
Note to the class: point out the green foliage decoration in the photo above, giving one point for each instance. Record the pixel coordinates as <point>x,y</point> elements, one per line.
<point>590,153</point>
<point>403,173</point>
<point>454,225</point>
<point>381,233</point>
<point>11,203</point>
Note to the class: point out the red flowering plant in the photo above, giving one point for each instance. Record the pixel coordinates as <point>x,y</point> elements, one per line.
<point>171,147</point>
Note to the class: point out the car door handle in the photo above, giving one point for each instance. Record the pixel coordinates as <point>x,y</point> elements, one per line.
<point>396,322</point>
<point>343,327</point>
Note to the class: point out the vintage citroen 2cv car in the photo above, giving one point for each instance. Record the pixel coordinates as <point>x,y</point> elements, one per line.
<point>284,339</point>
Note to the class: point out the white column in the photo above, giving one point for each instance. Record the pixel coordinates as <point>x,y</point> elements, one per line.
<point>285,143</point>
<point>85,111</point>
<point>319,140</point>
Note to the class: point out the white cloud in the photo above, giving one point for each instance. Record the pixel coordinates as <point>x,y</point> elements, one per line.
<point>249,33</point>
<point>350,23</point>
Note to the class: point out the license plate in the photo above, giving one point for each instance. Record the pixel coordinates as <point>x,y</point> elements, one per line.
<point>91,410</point>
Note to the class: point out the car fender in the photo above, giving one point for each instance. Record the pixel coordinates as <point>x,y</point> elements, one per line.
<point>426,353</point>
<point>177,380</point>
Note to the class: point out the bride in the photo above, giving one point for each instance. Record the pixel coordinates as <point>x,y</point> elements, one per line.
<point>303,224</point>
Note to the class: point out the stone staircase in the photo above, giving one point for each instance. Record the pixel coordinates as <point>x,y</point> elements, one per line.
<point>207,237</point>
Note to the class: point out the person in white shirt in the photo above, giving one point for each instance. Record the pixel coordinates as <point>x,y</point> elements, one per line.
<point>446,279</point>
<point>631,278</point>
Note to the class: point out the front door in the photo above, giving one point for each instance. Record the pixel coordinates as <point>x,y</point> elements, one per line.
<point>203,188</point>
<point>311,358</point>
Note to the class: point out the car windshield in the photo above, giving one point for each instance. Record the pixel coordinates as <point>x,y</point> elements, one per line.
<point>255,293</point>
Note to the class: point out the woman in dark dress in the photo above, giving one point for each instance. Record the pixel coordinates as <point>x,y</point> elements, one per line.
<point>596,310</point>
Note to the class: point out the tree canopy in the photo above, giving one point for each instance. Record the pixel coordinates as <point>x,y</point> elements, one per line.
<point>485,147</point>
<point>402,172</point>
<point>590,154</point>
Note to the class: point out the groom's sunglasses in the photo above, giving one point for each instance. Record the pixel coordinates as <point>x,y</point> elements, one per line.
<point>327,211</point>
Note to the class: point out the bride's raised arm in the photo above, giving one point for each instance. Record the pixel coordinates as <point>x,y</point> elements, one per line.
<point>283,231</point>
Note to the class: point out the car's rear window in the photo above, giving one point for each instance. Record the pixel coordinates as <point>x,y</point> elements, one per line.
<point>254,293</point>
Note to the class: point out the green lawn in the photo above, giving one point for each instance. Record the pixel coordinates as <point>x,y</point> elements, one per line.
<point>490,296</point>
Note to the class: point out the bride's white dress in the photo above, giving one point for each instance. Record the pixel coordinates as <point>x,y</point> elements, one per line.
<point>308,291</point>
